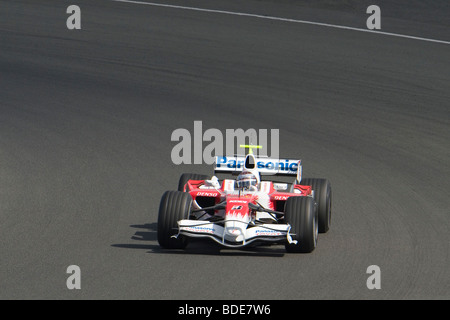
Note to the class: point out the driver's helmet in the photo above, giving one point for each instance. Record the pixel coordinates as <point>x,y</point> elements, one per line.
<point>246,179</point>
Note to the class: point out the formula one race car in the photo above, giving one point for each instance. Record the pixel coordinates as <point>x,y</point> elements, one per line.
<point>247,210</point>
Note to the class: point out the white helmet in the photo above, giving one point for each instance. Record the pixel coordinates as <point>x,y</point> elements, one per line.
<point>247,179</point>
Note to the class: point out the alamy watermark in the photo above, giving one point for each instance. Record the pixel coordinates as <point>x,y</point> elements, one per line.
<point>374,21</point>
<point>374,280</point>
<point>74,20</point>
<point>74,280</point>
<point>191,149</point>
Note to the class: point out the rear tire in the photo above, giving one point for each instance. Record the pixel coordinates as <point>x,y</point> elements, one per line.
<point>300,213</point>
<point>174,206</point>
<point>322,196</point>
<point>185,177</point>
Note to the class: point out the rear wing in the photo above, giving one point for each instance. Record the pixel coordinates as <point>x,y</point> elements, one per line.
<point>265,166</point>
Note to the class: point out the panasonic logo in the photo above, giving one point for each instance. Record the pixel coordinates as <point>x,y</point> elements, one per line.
<point>283,165</point>
<point>200,229</point>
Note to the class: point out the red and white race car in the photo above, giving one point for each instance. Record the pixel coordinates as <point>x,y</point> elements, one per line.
<point>247,210</point>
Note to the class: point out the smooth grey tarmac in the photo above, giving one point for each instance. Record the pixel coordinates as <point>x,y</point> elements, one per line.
<point>86,118</point>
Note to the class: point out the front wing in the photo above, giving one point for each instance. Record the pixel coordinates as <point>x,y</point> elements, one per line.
<point>237,235</point>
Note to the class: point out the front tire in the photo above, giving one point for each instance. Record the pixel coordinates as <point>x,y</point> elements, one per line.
<point>300,213</point>
<point>174,206</point>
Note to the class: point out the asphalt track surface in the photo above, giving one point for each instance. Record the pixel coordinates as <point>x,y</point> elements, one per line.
<point>86,118</point>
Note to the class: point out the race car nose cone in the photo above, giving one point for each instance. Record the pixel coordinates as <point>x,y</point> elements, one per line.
<point>234,234</point>
<point>233,231</point>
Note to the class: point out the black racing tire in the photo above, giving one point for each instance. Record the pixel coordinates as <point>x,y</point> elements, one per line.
<point>174,206</point>
<point>300,213</point>
<point>323,197</point>
<point>185,177</point>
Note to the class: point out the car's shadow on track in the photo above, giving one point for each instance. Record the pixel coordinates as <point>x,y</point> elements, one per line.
<point>147,233</point>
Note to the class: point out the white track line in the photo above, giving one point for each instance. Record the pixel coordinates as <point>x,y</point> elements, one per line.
<point>282,19</point>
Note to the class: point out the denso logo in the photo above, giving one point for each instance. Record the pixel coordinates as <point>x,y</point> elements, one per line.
<point>207,194</point>
<point>280,197</point>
